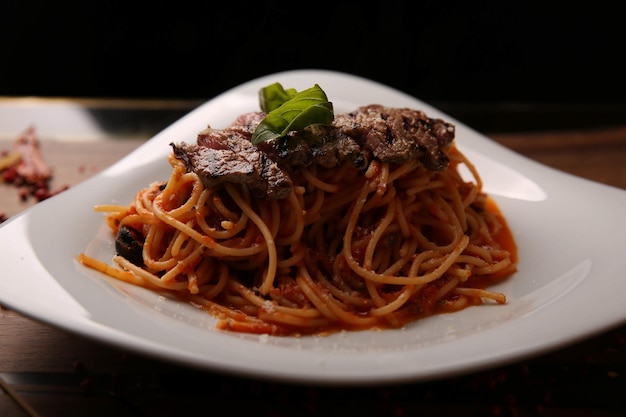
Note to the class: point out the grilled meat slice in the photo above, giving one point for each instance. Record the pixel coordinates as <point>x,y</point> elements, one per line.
<point>229,156</point>
<point>389,134</point>
<point>325,146</point>
<point>398,134</point>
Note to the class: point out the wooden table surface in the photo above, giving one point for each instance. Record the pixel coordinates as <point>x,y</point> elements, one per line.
<point>45,371</point>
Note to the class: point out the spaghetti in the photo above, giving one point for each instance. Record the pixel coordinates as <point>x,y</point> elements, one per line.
<point>348,249</point>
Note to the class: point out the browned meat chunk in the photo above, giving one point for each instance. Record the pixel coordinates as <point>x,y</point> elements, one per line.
<point>326,146</point>
<point>229,156</point>
<point>399,134</point>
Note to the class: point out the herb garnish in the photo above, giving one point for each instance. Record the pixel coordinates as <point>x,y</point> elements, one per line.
<point>289,110</point>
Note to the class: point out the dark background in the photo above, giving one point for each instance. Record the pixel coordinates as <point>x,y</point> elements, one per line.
<point>478,60</point>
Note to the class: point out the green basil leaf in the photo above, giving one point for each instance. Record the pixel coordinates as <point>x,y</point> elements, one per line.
<point>273,96</point>
<point>290,110</point>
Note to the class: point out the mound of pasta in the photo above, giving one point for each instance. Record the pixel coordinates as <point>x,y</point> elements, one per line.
<point>361,223</point>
